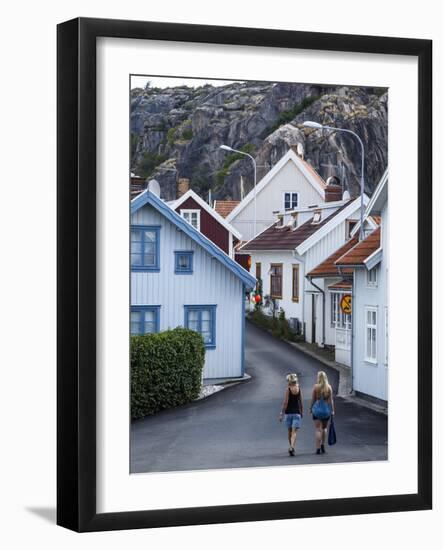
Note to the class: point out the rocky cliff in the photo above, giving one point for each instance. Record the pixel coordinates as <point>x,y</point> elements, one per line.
<point>177,132</point>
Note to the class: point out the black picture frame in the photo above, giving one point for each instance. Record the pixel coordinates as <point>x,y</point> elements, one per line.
<point>76,280</point>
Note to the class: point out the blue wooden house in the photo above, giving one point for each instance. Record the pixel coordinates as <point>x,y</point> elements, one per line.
<point>181,278</point>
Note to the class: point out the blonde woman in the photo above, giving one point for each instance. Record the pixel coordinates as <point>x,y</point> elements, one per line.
<point>322,407</point>
<point>292,410</point>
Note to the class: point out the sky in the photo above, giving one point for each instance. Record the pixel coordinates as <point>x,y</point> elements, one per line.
<point>166,82</point>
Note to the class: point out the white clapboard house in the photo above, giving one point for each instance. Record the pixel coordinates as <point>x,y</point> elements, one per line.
<point>290,184</point>
<point>369,261</point>
<point>284,254</point>
<point>181,278</point>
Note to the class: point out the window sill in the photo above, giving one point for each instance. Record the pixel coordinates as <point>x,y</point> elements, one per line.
<point>295,300</point>
<point>210,346</point>
<point>371,362</point>
<point>145,269</point>
<point>183,272</point>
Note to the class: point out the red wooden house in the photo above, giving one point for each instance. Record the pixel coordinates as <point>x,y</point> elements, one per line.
<point>205,219</point>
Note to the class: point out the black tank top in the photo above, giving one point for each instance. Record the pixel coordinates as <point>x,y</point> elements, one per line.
<point>293,406</point>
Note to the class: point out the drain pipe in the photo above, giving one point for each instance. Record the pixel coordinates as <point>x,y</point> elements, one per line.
<point>323,328</point>
<point>302,292</point>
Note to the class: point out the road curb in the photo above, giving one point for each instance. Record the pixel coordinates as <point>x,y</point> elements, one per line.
<point>344,381</point>
<point>344,376</point>
<point>223,384</point>
<point>344,384</point>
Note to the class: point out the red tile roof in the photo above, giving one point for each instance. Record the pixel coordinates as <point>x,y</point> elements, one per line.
<point>224,208</point>
<point>327,268</point>
<point>361,251</point>
<point>286,238</point>
<point>341,285</point>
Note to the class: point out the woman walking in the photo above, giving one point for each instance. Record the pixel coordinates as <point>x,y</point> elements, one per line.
<point>292,409</point>
<point>322,407</point>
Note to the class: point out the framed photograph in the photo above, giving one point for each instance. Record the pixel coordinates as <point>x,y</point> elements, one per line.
<point>244,274</point>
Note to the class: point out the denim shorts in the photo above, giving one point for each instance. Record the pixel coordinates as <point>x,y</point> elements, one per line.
<point>293,421</point>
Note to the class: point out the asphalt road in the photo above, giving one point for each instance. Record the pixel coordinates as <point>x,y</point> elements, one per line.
<point>238,427</point>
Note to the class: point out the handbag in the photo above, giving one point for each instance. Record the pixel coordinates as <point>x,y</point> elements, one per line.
<point>332,436</point>
<point>321,409</point>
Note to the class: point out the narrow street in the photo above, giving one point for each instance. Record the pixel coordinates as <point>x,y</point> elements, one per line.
<point>238,427</point>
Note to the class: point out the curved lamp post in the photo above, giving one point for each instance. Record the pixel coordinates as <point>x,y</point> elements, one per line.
<point>227,148</point>
<point>317,126</point>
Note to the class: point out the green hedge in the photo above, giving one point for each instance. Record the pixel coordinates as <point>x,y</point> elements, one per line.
<point>278,325</point>
<point>166,370</point>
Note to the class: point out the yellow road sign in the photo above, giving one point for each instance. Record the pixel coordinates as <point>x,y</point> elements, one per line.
<point>346,304</point>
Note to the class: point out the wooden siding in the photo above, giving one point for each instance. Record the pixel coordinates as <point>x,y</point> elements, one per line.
<point>210,284</point>
<point>243,260</point>
<point>292,309</point>
<point>209,226</point>
<point>372,378</point>
<point>270,199</point>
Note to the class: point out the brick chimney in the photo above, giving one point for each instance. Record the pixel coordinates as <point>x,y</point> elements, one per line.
<point>333,191</point>
<point>183,186</point>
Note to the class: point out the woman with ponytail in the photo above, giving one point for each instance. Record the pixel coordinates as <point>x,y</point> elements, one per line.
<point>292,410</point>
<point>322,407</point>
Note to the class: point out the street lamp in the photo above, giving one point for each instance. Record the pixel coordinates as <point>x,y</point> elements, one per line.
<point>227,148</point>
<point>317,126</point>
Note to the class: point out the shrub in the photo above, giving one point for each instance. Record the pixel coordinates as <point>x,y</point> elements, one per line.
<point>166,370</point>
<point>277,326</point>
<point>170,136</point>
<point>135,138</point>
<point>233,157</point>
<point>289,114</point>
<point>149,162</point>
<point>187,133</point>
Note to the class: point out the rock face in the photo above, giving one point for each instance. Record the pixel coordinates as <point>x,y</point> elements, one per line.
<point>177,132</point>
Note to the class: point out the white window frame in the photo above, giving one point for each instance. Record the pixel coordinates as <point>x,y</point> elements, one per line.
<point>317,217</point>
<point>338,318</point>
<point>191,211</point>
<point>372,283</point>
<point>349,228</point>
<point>290,200</point>
<point>371,354</point>
<point>334,308</point>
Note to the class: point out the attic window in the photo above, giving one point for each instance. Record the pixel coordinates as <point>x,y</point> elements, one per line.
<point>317,217</point>
<point>290,200</point>
<point>350,224</point>
<point>192,217</point>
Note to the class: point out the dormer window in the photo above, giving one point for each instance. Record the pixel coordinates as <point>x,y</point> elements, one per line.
<point>192,217</point>
<point>317,217</point>
<point>290,200</point>
<point>350,224</point>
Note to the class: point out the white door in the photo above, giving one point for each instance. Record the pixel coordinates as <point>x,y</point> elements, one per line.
<point>343,331</point>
